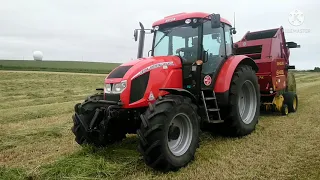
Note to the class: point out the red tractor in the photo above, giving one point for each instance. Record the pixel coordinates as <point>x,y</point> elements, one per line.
<point>196,78</point>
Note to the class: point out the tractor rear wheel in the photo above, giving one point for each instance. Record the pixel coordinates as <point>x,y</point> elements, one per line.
<point>244,102</point>
<point>169,133</point>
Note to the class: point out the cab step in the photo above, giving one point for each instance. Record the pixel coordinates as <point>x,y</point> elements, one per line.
<point>209,98</point>
<point>212,111</point>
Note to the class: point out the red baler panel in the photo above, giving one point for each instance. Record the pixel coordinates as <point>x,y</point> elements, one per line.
<point>264,82</point>
<point>264,67</point>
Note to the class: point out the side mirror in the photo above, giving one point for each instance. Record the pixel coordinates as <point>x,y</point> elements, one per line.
<point>135,35</point>
<point>234,31</point>
<point>215,21</point>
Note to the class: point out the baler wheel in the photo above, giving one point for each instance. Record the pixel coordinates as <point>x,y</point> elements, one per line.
<point>244,102</point>
<point>169,133</point>
<point>284,110</point>
<point>291,99</point>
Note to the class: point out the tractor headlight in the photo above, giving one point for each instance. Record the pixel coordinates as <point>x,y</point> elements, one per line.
<point>107,88</point>
<point>119,87</point>
<point>116,88</point>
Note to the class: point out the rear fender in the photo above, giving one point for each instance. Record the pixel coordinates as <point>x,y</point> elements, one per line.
<point>222,84</point>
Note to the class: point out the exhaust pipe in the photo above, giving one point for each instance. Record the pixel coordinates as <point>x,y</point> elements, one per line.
<point>141,41</point>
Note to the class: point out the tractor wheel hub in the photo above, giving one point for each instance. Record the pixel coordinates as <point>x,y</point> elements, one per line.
<point>174,132</point>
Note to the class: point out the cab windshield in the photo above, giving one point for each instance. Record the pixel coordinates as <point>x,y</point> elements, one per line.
<point>182,39</point>
<point>169,40</point>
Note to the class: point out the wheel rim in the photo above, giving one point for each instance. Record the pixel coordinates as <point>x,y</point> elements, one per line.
<point>294,103</point>
<point>247,102</point>
<point>180,134</point>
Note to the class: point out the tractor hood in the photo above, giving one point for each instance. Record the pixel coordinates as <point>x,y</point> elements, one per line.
<point>137,82</point>
<point>132,69</point>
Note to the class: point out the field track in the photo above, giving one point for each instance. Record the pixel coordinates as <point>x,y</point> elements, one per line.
<point>36,141</point>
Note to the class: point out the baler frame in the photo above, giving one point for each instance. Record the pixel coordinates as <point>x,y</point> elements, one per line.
<point>271,53</point>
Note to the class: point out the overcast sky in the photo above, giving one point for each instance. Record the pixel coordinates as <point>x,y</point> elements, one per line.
<point>101,30</point>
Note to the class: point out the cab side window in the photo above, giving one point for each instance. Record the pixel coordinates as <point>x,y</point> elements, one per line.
<point>228,40</point>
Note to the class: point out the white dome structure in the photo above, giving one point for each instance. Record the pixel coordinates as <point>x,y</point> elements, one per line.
<point>37,55</point>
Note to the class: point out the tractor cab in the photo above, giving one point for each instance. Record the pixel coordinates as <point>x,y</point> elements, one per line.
<point>194,37</point>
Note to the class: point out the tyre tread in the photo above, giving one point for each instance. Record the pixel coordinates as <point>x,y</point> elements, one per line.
<point>150,149</point>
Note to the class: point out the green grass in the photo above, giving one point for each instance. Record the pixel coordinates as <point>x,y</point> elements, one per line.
<point>58,66</point>
<point>36,141</point>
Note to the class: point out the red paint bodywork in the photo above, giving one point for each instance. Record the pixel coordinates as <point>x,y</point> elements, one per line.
<point>182,16</point>
<point>271,59</point>
<point>224,77</point>
<point>159,78</point>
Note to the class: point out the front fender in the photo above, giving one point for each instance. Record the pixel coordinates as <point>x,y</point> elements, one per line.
<point>224,77</point>
<point>226,72</point>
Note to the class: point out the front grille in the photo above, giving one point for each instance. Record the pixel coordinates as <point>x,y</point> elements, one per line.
<point>112,97</point>
<point>138,87</point>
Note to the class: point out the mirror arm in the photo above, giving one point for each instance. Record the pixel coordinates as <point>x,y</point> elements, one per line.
<point>141,41</point>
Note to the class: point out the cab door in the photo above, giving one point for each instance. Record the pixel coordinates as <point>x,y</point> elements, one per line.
<point>217,43</point>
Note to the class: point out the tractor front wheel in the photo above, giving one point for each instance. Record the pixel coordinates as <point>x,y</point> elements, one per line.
<point>169,133</point>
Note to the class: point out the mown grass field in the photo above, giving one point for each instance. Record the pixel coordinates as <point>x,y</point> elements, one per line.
<point>58,66</point>
<point>36,141</point>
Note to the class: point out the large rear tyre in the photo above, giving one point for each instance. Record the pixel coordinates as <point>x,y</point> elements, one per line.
<point>169,133</point>
<point>244,102</point>
<point>106,133</point>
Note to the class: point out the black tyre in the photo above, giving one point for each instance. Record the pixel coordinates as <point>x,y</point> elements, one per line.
<point>105,134</point>
<point>291,99</point>
<point>169,133</point>
<point>284,110</point>
<point>244,101</point>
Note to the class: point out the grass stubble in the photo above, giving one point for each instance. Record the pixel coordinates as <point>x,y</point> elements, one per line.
<point>36,141</point>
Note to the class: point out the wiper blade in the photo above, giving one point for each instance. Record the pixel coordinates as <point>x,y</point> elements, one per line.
<point>164,35</point>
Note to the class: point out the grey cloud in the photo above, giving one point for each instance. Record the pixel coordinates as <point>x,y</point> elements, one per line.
<point>102,30</point>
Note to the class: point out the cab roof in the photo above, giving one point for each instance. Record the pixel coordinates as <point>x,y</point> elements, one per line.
<point>181,16</point>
